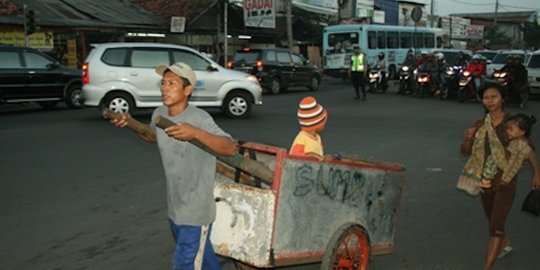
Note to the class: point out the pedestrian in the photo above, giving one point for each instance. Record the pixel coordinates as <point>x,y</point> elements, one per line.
<point>496,200</point>
<point>312,118</point>
<point>189,170</point>
<point>357,72</point>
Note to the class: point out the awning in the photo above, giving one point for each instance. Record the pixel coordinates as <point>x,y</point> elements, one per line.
<point>315,9</point>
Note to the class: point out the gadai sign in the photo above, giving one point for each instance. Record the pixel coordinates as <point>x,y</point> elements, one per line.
<point>259,13</point>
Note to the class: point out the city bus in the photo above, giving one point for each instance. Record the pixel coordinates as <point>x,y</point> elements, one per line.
<point>394,41</point>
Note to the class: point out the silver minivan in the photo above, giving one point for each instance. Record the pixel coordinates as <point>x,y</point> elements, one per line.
<point>122,77</point>
<point>533,68</point>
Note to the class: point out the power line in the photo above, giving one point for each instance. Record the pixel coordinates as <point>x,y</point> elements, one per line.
<point>473,4</point>
<point>517,7</point>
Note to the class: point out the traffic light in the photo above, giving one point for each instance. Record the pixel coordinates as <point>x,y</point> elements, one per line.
<point>30,22</point>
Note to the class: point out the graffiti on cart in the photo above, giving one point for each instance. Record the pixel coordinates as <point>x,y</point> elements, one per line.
<point>346,186</point>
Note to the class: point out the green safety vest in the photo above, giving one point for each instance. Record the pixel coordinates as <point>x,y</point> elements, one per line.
<point>357,63</point>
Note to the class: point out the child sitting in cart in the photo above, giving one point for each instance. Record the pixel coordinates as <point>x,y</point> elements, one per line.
<point>312,118</point>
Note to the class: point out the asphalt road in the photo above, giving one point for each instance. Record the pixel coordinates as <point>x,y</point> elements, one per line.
<point>78,193</point>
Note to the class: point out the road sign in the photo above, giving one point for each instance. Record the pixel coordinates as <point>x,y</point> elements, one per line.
<point>416,14</point>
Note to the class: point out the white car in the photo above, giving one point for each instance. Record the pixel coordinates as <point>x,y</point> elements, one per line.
<point>500,60</point>
<point>122,77</point>
<point>533,68</point>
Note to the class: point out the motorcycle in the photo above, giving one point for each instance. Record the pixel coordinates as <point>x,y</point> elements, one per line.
<point>376,80</point>
<point>521,96</point>
<point>467,89</point>
<point>423,80</point>
<point>501,77</point>
<point>451,86</point>
<point>405,80</point>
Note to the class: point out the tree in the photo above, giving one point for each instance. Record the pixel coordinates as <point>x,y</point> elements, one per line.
<point>8,8</point>
<point>496,38</point>
<point>531,35</point>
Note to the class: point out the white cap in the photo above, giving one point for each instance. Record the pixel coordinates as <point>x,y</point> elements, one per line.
<point>180,69</point>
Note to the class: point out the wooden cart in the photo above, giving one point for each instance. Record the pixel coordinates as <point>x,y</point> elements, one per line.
<point>340,212</point>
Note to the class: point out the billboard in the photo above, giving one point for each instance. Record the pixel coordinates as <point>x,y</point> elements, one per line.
<point>260,13</point>
<point>38,40</point>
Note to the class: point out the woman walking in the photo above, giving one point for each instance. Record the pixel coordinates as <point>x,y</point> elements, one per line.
<point>498,198</point>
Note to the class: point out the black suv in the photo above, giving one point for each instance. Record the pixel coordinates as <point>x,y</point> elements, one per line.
<point>276,69</point>
<point>28,75</point>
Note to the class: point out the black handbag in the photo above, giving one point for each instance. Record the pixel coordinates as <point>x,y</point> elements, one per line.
<point>531,204</point>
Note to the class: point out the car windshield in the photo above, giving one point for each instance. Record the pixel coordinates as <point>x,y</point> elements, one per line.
<point>246,57</point>
<point>500,58</point>
<point>488,55</point>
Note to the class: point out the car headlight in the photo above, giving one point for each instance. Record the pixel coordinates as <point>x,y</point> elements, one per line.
<point>252,79</point>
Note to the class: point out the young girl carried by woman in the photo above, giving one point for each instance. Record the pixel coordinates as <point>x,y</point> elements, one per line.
<point>518,130</point>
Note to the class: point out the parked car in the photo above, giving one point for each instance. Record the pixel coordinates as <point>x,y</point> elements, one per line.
<point>500,59</point>
<point>533,68</point>
<point>488,54</point>
<point>122,77</point>
<point>277,68</point>
<point>28,75</point>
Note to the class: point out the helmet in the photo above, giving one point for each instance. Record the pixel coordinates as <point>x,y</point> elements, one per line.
<point>381,55</point>
<point>424,52</point>
<point>440,56</point>
<point>476,57</point>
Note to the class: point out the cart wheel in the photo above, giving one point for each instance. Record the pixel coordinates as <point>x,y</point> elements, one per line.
<point>349,248</point>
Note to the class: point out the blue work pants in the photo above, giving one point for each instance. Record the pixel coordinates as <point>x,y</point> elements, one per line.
<point>188,240</point>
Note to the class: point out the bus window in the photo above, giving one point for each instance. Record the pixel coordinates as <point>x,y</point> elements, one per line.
<point>392,40</point>
<point>405,40</point>
<point>372,40</point>
<point>419,40</point>
<point>439,42</point>
<point>341,43</point>
<point>381,40</point>
<point>430,40</point>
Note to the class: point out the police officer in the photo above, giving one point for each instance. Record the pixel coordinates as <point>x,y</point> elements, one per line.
<point>357,72</point>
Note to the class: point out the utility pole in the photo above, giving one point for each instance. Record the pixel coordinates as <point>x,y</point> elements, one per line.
<point>496,11</point>
<point>25,11</point>
<point>225,32</point>
<point>289,24</point>
<point>431,13</point>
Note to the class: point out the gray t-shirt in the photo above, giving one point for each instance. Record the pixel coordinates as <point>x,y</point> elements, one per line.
<point>189,170</point>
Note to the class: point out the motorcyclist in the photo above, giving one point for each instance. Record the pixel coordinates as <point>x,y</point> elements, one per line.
<point>410,62</point>
<point>422,59</point>
<point>428,66</point>
<point>381,64</point>
<point>441,66</point>
<point>519,79</point>
<point>459,60</point>
<point>509,66</point>
<point>477,70</point>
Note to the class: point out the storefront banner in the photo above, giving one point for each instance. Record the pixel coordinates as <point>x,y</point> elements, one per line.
<point>259,13</point>
<point>38,40</point>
